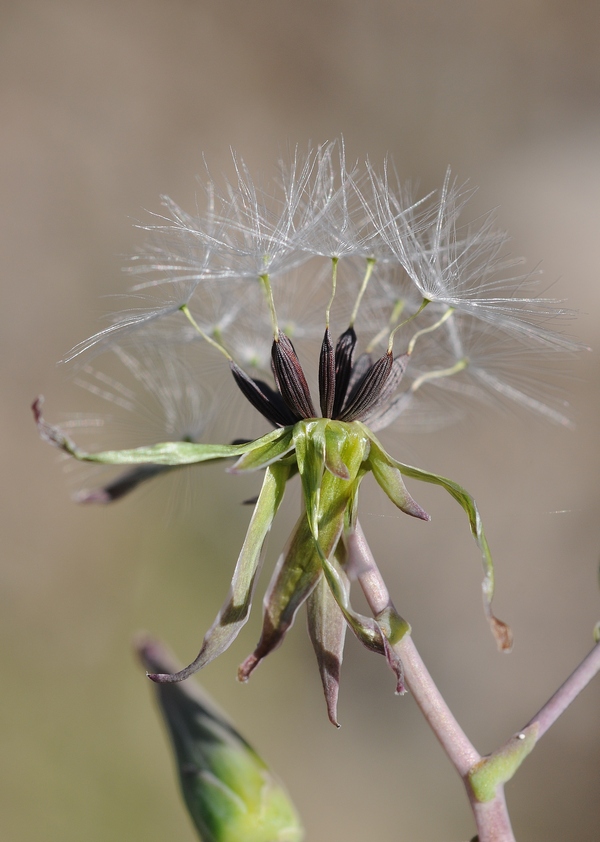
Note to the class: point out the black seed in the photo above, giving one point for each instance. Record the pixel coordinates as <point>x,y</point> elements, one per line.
<point>327,376</point>
<point>388,397</point>
<point>263,398</point>
<point>359,369</point>
<point>393,381</point>
<point>290,378</point>
<point>369,389</point>
<point>344,352</point>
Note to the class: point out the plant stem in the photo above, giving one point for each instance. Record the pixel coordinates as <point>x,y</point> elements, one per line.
<point>490,812</point>
<point>438,715</point>
<point>491,817</point>
<point>567,692</point>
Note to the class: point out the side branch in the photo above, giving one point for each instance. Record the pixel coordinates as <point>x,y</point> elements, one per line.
<point>566,693</point>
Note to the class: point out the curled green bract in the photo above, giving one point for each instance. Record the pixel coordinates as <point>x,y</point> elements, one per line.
<point>332,457</point>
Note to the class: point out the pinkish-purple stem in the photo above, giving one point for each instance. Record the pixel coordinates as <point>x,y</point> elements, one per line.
<point>567,692</point>
<point>491,817</point>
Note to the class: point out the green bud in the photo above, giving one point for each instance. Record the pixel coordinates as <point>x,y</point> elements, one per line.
<point>230,793</point>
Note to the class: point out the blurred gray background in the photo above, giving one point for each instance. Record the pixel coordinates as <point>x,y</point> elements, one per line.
<point>106,105</point>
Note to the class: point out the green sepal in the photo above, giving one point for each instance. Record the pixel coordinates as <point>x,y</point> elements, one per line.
<point>229,791</point>
<point>498,768</point>
<point>327,631</point>
<point>236,609</point>
<point>296,574</point>
<point>392,624</point>
<point>327,497</point>
<point>337,446</point>
<point>165,453</point>
<point>265,451</point>
<point>500,630</point>
<point>309,441</point>
<point>367,629</point>
<point>597,633</point>
<point>336,437</point>
<point>337,501</point>
<point>389,477</point>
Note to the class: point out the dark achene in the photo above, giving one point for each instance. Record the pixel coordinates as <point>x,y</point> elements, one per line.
<point>347,392</point>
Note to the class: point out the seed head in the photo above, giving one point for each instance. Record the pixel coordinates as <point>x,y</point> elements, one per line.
<point>335,304</point>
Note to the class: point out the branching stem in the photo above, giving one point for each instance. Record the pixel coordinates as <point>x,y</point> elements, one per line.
<point>491,817</point>
<point>480,775</point>
<point>568,691</point>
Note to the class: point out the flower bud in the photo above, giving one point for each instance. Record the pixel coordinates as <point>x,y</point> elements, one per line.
<point>230,793</point>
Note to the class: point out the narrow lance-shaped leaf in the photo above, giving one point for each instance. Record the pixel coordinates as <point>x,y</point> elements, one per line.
<point>351,513</point>
<point>165,453</point>
<point>500,630</point>
<point>230,793</point>
<point>296,574</point>
<point>234,613</point>
<point>327,630</point>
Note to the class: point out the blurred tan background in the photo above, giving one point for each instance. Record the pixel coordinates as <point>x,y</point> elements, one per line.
<point>106,105</point>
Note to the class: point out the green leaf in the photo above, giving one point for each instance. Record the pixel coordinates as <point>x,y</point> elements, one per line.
<point>231,794</point>
<point>236,609</point>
